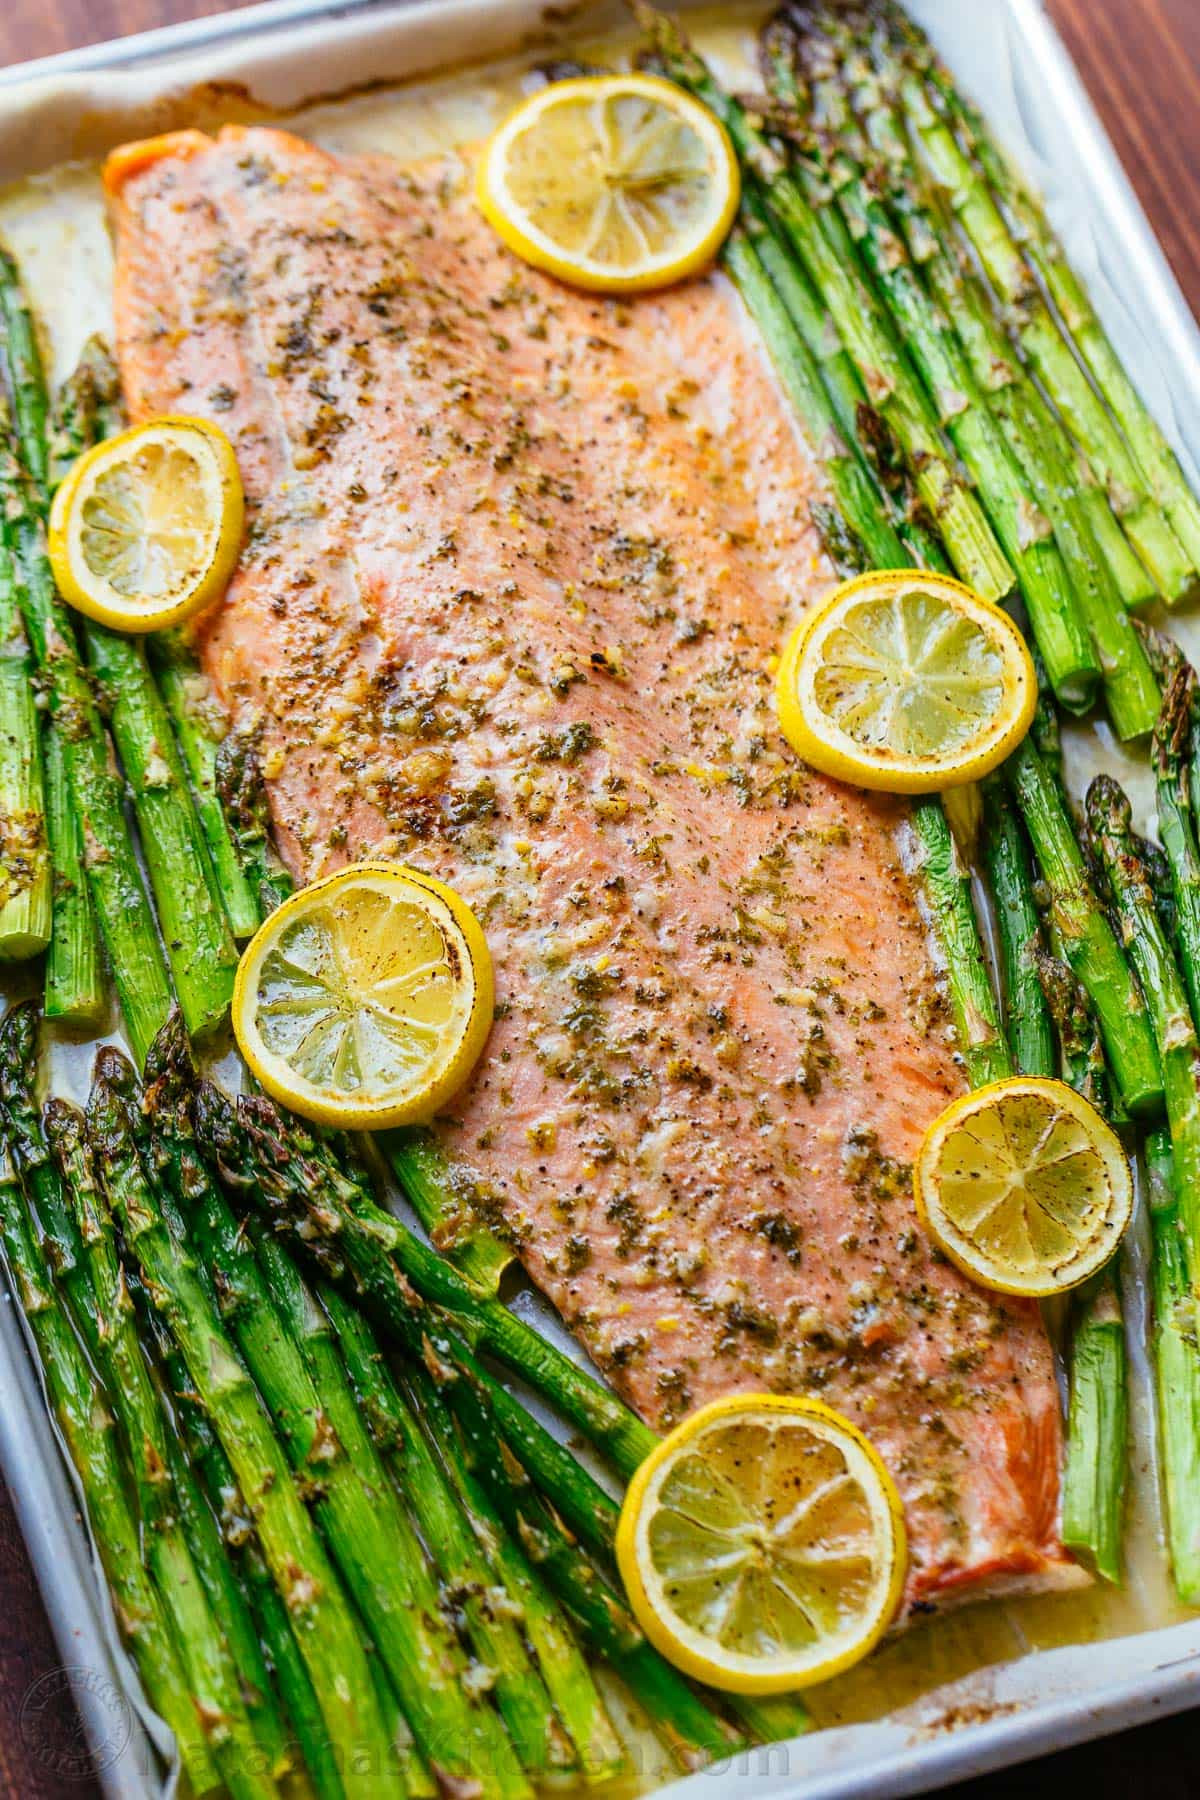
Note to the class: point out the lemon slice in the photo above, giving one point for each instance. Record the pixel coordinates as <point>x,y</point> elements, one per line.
<point>146,528</point>
<point>762,1544</point>
<point>612,182</point>
<point>364,1001</point>
<point>1024,1186</point>
<point>906,681</point>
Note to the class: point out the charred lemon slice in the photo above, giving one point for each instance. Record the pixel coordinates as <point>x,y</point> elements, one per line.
<point>1024,1186</point>
<point>906,681</point>
<point>365,1000</point>
<point>146,528</point>
<point>611,182</point>
<point>762,1544</point>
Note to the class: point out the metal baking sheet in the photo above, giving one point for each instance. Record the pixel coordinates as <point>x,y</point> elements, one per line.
<point>294,57</point>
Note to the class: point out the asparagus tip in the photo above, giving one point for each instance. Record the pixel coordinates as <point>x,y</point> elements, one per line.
<point>1174,720</point>
<point>215,1122</point>
<point>18,1028</point>
<point>64,1126</point>
<point>1108,808</point>
<point>170,1070</point>
<point>666,36</point>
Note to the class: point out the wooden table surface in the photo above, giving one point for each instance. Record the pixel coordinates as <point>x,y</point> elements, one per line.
<point>1141,62</point>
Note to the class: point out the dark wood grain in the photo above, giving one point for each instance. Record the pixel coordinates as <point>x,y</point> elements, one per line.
<point>1140,60</point>
<point>43,27</point>
<point>29,1664</point>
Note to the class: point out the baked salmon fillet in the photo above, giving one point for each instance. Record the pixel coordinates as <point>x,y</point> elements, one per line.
<point>518,564</point>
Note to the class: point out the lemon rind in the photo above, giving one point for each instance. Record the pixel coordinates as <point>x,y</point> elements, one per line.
<point>104,605</point>
<point>277,1076</point>
<point>953,1243</point>
<point>734,1675</point>
<point>836,754</point>
<point>533,246</point>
